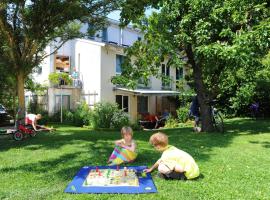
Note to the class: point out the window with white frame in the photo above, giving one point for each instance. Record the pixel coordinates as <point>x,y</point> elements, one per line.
<point>119,62</point>
<point>122,102</point>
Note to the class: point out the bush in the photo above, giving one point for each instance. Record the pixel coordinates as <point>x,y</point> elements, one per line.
<point>55,117</point>
<point>171,123</point>
<point>108,115</point>
<point>119,119</point>
<point>68,117</point>
<point>183,114</point>
<point>45,118</point>
<point>136,126</point>
<point>82,115</point>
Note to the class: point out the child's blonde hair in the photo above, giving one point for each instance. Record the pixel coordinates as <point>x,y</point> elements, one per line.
<point>126,130</point>
<point>160,139</point>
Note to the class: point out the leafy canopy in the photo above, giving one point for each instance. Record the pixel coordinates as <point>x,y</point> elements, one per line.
<point>27,27</point>
<point>222,42</point>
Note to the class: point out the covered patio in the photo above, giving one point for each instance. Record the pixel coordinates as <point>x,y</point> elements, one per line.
<point>146,103</point>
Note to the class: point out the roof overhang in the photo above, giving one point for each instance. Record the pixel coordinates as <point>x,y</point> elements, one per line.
<point>148,92</point>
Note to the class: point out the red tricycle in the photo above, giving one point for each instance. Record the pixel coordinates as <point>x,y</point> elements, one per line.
<point>22,131</point>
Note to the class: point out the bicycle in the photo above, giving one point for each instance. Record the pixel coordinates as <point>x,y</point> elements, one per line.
<point>216,117</point>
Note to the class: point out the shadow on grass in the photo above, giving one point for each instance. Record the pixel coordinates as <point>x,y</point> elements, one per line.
<point>265,144</point>
<point>94,147</point>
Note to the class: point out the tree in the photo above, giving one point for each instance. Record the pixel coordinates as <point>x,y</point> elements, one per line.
<point>27,27</point>
<point>219,38</point>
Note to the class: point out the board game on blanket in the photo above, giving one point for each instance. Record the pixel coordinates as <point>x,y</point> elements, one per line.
<point>112,179</point>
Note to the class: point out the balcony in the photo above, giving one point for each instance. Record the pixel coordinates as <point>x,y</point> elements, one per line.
<point>64,80</point>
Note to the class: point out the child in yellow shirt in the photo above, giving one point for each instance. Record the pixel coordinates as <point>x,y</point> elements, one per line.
<point>174,163</point>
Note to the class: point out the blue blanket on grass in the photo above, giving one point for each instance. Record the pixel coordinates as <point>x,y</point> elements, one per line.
<point>77,185</point>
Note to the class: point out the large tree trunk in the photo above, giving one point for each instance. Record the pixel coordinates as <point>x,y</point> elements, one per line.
<point>20,90</point>
<point>207,124</point>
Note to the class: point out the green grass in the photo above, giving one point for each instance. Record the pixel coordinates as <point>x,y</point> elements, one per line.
<point>234,165</point>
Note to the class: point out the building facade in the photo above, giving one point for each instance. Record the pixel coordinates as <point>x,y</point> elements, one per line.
<point>92,62</point>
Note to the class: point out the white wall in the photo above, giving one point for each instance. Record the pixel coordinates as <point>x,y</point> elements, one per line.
<point>130,36</point>
<point>108,69</point>
<point>88,59</point>
<point>42,77</point>
<point>113,34</point>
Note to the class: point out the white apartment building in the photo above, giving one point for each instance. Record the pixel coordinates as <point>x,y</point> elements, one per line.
<point>97,60</point>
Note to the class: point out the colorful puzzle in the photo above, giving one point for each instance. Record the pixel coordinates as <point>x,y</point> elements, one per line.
<point>111,177</point>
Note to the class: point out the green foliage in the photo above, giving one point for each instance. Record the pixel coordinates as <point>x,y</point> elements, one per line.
<point>68,117</point>
<point>79,117</point>
<point>108,115</point>
<point>183,114</point>
<point>82,115</point>
<point>222,41</point>
<point>119,119</point>
<point>45,117</point>
<point>8,87</point>
<point>136,126</point>
<point>56,117</point>
<point>56,77</point>
<point>171,123</point>
<point>28,27</point>
<point>243,97</point>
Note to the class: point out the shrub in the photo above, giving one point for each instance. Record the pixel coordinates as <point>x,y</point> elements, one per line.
<point>45,117</point>
<point>108,115</point>
<point>171,123</point>
<point>68,117</point>
<point>119,119</point>
<point>82,115</point>
<point>136,126</point>
<point>55,117</point>
<point>183,114</point>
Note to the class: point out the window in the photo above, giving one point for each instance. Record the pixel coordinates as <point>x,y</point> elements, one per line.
<point>179,73</point>
<point>142,105</point>
<point>165,70</point>
<point>119,62</point>
<point>122,102</point>
<point>62,63</point>
<point>104,34</point>
<point>65,102</point>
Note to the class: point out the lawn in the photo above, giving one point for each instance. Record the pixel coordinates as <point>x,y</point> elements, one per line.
<point>234,165</point>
